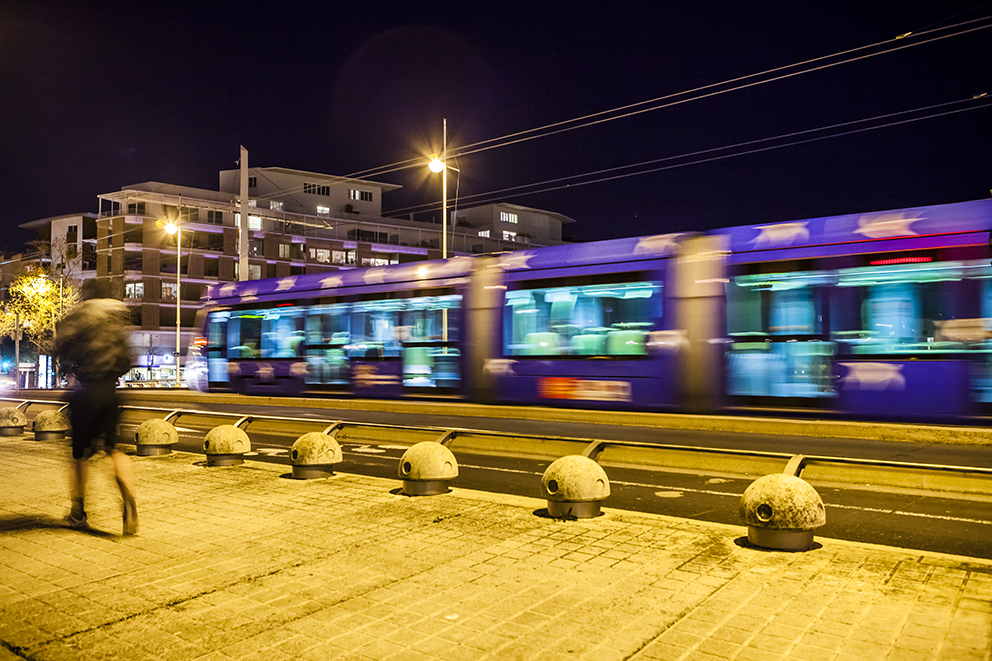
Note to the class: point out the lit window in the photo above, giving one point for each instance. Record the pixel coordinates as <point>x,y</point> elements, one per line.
<point>168,291</point>
<point>323,212</point>
<point>361,195</point>
<point>284,251</point>
<point>508,217</point>
<point>509,236</point>
<point>134,290</point>
<point>484,233</point>
<point>252,204</point>
<point>254,223</point>
<point>275,205</point>
<point>254,271</point>
<point>320,255</point>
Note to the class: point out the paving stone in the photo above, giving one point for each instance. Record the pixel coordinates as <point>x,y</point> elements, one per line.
<point>343,569</point>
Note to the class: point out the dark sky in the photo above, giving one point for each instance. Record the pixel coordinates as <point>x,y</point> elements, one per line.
<point>98,95</point>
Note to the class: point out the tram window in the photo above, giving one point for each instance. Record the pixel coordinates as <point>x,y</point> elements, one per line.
<point>374,329</point>
<point>424,319</point>
<point>283,333</point>
<point>244,334</point>
<point>910,308</point>
<point>777,304</point>
<point>327,325</point>
<point>216,330</point>
<point>581,320</point>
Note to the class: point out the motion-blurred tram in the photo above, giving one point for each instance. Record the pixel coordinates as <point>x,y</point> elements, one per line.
<point>881,315</point>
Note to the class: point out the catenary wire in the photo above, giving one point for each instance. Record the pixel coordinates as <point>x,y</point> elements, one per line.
<point>519,189</point>
<point>522,136</point>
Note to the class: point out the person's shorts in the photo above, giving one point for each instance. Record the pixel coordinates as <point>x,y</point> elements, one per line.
<point>94,413</point>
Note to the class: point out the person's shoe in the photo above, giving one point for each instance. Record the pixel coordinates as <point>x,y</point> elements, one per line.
<point>77,523</point>
<point>130,517</point>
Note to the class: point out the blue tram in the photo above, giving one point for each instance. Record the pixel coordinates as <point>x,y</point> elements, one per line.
<point>883,315</point>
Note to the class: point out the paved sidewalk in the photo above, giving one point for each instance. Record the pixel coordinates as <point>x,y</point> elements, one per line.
<point>242,563</point>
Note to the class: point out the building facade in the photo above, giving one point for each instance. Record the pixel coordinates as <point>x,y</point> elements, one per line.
<point>298,222</point>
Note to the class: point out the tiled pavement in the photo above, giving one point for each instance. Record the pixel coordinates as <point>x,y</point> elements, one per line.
<point>242,563</point>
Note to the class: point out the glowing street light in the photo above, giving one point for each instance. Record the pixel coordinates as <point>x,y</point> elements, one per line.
<point>172,227</point>
<point>441,165</point>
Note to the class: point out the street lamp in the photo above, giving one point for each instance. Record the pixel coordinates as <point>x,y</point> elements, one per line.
<point>437,164</point>
<point>172,227</point>
<point>441,165</point>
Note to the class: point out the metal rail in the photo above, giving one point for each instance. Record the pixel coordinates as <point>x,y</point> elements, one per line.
<point>847,471</point>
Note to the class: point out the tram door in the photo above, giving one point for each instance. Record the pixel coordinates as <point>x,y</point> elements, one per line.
<point>217,373</point>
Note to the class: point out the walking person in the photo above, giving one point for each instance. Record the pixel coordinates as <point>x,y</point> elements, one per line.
<point>92,343</point>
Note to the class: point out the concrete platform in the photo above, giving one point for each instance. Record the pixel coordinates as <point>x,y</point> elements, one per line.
<point>244,563</point>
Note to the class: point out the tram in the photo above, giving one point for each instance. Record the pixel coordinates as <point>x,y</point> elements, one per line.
<point>881,315</point>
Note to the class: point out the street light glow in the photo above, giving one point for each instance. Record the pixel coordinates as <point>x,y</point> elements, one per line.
<point>171,227</point>
<point>436,164</point>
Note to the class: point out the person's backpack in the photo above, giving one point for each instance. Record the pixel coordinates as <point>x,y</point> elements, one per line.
<point>92,340</point>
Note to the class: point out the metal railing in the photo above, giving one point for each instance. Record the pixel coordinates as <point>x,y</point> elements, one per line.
<point>844,471</point>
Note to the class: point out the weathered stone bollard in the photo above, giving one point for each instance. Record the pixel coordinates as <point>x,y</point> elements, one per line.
<point>12,422</point>
<point>155,437</point>
<point>51,425</point>
<point>314,456</point>
<point>781,512</point>
<point>426,468</point>
<point>574,486</point>
<point>226,445</point>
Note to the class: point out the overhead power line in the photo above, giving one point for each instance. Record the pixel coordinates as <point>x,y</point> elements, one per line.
<point>614,173</point>
<point>898,43</point>
<point>895,44</point>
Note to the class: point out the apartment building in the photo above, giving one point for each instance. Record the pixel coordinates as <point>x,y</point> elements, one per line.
<point>299,222</point>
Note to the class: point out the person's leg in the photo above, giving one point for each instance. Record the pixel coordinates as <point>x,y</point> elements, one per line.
<point>125,482</point>
<point>81,419</point>
<point>77,514</point>
<point>123,470</point>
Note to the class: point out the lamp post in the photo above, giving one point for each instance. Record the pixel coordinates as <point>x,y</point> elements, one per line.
<point>172,227</point>
<point>441,165</point>
<point>437,164</point>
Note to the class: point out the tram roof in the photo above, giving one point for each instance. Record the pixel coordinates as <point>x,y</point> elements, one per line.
<point>912,228</point>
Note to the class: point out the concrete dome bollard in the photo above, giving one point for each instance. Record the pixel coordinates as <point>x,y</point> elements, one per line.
<point>226,445</point>
<point>574,486</point>
<point>314,455</point>
<point>12,422</point>
<point>155,437</point>
<point>426,468</point>
<point>51,425</point>
<point>781,512</point>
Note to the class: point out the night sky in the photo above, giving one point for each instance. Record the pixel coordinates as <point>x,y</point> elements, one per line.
<point>98,95</point>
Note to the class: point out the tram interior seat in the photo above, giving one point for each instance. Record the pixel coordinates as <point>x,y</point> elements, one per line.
<point>295,340</point>
<point>416,360</point>
<point>625,343</point>
<point>246,350</point>
<point>541,344</point>
<point>588,345</point>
